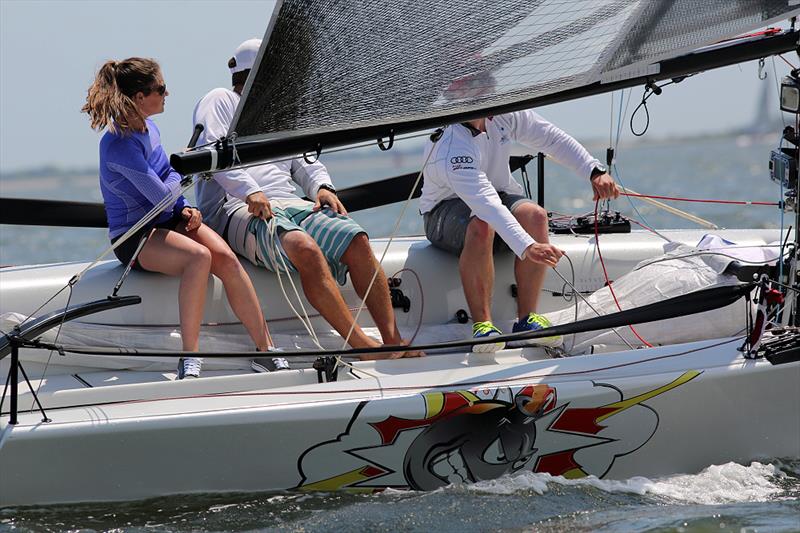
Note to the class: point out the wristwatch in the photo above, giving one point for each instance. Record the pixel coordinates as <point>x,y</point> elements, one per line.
<point>598,169</point>
<point>328,187</point>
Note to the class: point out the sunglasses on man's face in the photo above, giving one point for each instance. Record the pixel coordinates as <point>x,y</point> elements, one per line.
<point>160,89</point>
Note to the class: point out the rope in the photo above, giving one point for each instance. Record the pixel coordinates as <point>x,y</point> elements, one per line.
<point>572,286</point>
<point>388,244</point>
<point>275,251</point>
<point>675,211</point>
<point>699,200</point>
<point>605,272</point>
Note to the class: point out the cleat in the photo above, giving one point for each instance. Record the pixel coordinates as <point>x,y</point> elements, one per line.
<point>482,330</point>
<point>536,322</point>
<point>189,367</point>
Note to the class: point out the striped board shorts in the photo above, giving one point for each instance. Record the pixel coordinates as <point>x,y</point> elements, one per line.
<point>259,240</point>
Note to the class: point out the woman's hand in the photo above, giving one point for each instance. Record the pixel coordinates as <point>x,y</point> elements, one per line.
<point>326,197</point>
<point>193,218</point>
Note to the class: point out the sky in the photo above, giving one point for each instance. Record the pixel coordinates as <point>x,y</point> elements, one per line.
<point>50,51</point>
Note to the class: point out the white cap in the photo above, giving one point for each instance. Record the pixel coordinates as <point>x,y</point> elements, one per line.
<point>245,56</point>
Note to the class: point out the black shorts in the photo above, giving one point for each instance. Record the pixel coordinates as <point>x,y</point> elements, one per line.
<point>125,251</point>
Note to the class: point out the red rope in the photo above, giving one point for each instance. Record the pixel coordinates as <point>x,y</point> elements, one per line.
<point>734,202</point>
<point>605,273</point>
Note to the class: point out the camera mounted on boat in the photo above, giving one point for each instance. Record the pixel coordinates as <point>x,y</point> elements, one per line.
<point>783,161</point>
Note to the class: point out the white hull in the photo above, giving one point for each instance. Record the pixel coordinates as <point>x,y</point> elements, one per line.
<point>650,412</point>
<point>120,434</point>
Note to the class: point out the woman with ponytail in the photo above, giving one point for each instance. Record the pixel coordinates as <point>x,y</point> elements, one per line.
<point>135,176</point>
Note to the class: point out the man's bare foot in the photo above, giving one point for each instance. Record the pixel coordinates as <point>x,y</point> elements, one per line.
<point>392,355</point>
<point>412,353</point>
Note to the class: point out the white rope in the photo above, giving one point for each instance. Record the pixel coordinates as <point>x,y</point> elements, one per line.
<point>273,251</point>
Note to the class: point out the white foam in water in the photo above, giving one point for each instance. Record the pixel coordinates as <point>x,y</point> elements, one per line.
<point>717,484</point>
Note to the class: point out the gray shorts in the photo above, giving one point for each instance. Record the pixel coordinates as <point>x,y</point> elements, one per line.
<point>446,224</point>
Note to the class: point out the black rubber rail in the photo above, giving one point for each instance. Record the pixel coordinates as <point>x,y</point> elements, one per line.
<point>35,212</point>
<point>687,304</point>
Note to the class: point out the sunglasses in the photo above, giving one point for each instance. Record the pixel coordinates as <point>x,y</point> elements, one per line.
<point>160,89</point>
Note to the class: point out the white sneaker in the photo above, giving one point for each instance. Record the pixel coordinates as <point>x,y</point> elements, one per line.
<point>189,367</point>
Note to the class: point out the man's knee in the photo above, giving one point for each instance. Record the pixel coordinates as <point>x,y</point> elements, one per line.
<point>531,216</point>
<point>302,250</point>
<point>479,232</point>
<point>358,249</point>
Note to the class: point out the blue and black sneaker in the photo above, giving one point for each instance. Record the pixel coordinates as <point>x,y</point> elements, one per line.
<point>481,330</point>
<point>536,322</point>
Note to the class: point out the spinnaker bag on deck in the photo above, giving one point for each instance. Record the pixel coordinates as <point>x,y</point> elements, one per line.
<point>683,269</point>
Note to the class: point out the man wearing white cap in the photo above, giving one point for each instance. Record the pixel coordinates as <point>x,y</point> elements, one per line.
<point>315,239</point>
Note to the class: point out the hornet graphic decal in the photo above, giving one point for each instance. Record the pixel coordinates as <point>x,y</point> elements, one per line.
<point>437,438</point>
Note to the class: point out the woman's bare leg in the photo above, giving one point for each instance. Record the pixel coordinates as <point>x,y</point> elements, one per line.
<point>174,254</point>
<point>238,286</point>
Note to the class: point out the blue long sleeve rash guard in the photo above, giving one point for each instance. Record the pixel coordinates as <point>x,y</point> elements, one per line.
<point>135,175</point>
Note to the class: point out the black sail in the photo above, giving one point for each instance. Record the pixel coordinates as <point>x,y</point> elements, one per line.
<point>363,69</point>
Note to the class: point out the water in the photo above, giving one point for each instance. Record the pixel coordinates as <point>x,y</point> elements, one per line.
<point>701,168</point>
<point>760,496</point>
<point>731,497</point>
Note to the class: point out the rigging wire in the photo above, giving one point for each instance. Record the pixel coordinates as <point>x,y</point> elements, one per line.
<point>617,173</point>
<point>781,197</point>
<point>50,355</point>
<point>650,89</point>
<point>146,219</point>
<point>784,60</point>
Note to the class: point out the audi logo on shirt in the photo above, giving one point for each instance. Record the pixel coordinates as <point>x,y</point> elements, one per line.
<point>461,159</point>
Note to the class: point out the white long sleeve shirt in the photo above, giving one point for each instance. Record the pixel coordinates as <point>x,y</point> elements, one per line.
<point>228,191</point>
<point>474,167</point>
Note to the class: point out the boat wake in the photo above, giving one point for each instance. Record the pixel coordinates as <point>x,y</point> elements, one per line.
<point>717,484</point>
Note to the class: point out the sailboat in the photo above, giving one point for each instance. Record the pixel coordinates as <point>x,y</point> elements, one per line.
<point>91,408</point>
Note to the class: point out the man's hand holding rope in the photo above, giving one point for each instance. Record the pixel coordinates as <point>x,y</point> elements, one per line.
<point>604,187</point>
<point>258,205</point>
<point>543,254</point>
